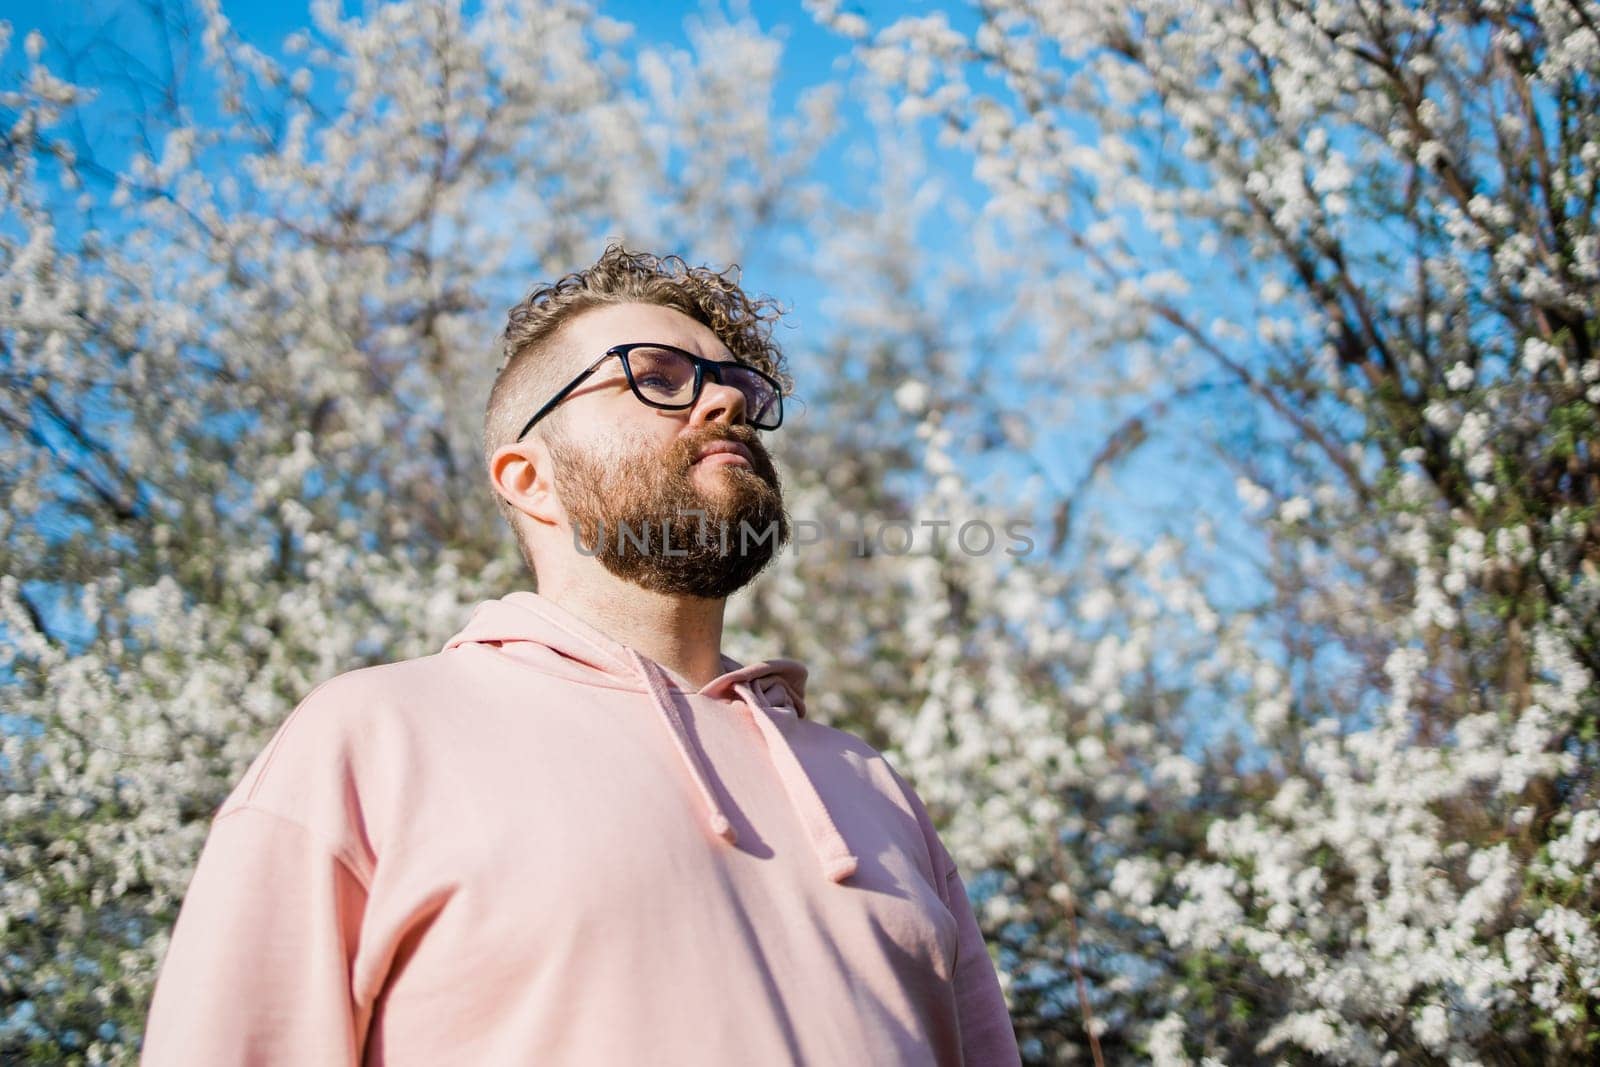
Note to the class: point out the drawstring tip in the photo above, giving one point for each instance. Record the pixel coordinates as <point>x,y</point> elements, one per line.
<point>842,868</point>
<point>723,828</point>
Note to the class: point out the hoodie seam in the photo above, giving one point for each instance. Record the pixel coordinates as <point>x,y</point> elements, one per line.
<point>336,852</point>
<point>604,681</point>
<point>276,745</point>
<point>932,845</point>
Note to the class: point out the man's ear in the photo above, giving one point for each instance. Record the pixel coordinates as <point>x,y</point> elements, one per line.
<point>521,474</point>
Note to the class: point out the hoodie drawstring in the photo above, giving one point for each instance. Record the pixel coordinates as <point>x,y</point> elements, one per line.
<point>659,696</point>
<point>838,863</point>
<point>833,852</point>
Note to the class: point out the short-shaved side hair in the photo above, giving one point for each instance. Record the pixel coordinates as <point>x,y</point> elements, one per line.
<point>527,378</point>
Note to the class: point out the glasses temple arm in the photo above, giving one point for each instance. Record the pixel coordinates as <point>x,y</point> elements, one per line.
<point>559,397</point>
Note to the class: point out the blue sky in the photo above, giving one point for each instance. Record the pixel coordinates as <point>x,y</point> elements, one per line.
<point>811,55</point>
<point>1164,487</point>
<point>1144,498</point>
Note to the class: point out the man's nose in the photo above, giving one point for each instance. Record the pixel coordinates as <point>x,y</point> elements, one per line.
<point>719,403</point>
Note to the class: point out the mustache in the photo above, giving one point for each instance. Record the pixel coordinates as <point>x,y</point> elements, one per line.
<point>742,435</point>
<point>690,447</point>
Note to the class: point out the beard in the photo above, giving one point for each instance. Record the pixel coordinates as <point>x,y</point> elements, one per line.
<point>642,515</point>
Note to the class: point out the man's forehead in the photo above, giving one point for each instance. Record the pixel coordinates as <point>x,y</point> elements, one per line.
<point>588,335</point>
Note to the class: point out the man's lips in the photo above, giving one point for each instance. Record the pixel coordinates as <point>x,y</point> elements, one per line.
<point>726,452</point>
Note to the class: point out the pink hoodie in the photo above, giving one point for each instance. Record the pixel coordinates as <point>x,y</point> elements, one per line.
<point>540,847</point>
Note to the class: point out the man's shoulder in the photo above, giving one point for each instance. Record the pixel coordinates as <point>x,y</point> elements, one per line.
<point>878,770</point>
<point>346,726</point>
<point>854,748</point>
<point>868,761</point>
<point>397,683</point>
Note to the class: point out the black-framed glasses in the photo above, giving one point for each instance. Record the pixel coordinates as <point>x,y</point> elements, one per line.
<point>670,378</point>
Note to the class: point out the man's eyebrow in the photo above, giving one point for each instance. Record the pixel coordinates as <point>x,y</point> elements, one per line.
<point>695,350</point>
<point>718,358</point>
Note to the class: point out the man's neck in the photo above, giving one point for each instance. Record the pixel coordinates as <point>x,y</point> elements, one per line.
<point>683,634</point>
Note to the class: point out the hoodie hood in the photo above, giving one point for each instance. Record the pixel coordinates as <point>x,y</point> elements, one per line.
<point>772,692</point>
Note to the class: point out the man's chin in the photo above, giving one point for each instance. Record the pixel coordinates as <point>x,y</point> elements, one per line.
<point>733,488</point>
<point>721,473</point>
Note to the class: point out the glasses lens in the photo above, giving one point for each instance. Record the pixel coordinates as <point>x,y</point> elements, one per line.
<point>662,375</point>
<point>760,398</point>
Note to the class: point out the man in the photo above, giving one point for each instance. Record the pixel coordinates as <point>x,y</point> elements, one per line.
<point>580,835</point>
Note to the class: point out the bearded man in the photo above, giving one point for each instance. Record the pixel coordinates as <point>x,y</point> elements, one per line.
<point>580,835</point>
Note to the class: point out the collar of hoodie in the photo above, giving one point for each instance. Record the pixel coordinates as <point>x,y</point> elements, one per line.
<point>772,692</point>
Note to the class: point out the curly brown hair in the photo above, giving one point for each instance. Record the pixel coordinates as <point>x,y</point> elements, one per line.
<point>712,298</point>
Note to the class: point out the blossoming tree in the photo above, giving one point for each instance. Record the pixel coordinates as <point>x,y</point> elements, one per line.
<point>242,374</point>
<point>1376,225</point>
<point>1304,777</point>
